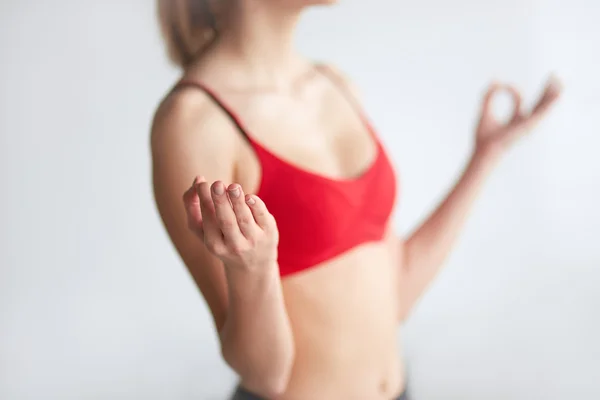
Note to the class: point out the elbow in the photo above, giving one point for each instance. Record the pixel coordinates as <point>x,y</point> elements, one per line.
<point>267,375</point>
<point>277,381</point>
<point>273,386</point>
<point>271,382</point>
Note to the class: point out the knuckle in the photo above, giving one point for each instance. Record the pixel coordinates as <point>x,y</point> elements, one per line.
<point>243,219</point>
<point>239,249</point>
<point>254,239</point>
<point>225,222</point>
<point>213,246</point>
<point>261,212</point>
<point>210,245</point>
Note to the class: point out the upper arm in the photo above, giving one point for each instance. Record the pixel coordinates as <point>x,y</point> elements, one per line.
<point>190,138</point>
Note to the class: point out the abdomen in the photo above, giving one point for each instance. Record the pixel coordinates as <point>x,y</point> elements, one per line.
<point>344,319</point>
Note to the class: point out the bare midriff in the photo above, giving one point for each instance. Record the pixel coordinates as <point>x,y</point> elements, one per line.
<point>344,316</point>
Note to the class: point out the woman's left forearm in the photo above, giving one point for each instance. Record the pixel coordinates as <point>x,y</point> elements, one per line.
<point>425,250</point>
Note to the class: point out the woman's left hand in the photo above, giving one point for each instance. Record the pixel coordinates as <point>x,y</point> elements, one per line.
<point>494,136</point>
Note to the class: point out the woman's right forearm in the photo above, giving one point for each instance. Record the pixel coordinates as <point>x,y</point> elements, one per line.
<point>256,339</point>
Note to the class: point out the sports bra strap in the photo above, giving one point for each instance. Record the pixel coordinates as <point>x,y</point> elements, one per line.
<point>326,71</point>
<point>339,83</point>
<point>218,102</point>
<point>342,87</point>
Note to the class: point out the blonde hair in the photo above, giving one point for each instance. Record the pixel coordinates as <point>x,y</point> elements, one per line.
<point>188,27</point>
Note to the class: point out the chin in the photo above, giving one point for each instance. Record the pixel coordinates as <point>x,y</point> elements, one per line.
<point>300,4</point>
<point>308,3</point>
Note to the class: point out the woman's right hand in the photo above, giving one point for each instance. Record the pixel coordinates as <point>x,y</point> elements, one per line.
<point>236,228</point>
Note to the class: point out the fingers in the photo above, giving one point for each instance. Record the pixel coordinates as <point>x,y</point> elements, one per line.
<point>551,93</point>
<point>496,88</point>
<point>517,114</point>
<point>213,237</point>
<point>226,218</point>
<point>549,96</point>
<point>191,202</point>
<point>243,215</point>
<point>488,98</point>
<point>261,215</point>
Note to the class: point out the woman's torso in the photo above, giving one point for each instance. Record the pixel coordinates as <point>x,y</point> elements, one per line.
<point>344,310</point>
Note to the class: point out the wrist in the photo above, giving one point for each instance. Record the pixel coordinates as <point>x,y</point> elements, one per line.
<point>252,289</point>
<point>252,278</point>
<point>486,156</point>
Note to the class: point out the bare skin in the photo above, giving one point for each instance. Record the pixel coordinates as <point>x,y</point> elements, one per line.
<point>331,332</point>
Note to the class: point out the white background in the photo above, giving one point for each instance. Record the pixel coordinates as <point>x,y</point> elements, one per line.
<point>94,302</point>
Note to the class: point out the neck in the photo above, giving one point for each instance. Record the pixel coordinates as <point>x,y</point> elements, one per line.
<point>260,35</point>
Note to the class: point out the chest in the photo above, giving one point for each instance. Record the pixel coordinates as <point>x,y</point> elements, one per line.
<point>320,132</point>
<point>319,168</point>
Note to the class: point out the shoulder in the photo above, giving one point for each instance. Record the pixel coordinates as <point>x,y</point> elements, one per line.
<point>187,118</point>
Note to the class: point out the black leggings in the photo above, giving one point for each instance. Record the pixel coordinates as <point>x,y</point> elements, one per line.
<point>243,394</point>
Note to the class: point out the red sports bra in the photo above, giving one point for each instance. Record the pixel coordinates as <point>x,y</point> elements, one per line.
<point>319,218</point>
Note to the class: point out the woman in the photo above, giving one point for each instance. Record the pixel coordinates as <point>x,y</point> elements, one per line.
<point>287,231</point>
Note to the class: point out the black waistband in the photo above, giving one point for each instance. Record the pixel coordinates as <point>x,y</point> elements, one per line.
<point>243,394</point>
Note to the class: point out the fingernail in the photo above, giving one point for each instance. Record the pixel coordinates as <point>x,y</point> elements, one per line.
<point>251,201</point>
<point>219,189</point>
<point>234,192</point>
